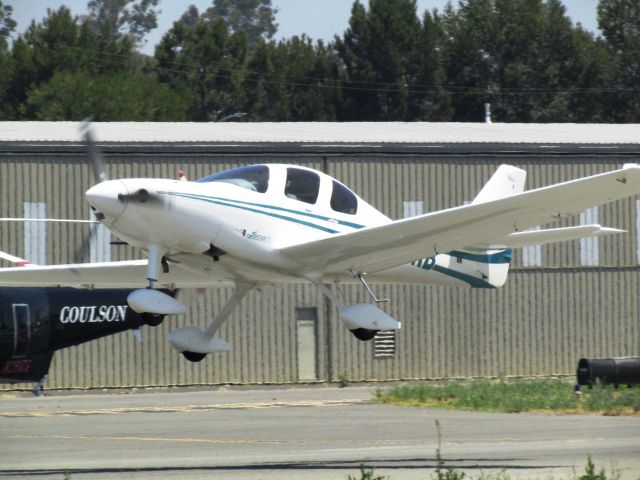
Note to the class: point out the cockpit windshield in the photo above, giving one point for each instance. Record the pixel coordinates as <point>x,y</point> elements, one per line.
<point>254,177</point>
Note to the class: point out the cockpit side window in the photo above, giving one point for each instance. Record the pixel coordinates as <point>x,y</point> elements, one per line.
<point>343,200</point>
<point>254,177</point>
<point>302,185</point>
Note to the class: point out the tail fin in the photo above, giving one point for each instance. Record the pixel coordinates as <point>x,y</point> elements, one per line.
<point>493,264</point>
<point>505,182</point>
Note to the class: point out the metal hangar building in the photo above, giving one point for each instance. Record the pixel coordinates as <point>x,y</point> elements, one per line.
<point>561,302</point>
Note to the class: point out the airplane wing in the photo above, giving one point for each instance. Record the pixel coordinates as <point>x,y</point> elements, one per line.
<point>377,248</point>
<point>126,274</point>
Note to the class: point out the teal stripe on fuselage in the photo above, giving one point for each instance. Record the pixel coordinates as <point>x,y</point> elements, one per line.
<point>503,256</point>
<point>241,207</point>
<point>273,207</point>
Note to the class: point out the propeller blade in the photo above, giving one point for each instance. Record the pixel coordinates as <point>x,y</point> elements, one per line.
<point>95,159</point>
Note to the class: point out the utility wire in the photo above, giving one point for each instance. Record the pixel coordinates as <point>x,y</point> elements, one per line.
<point>177,68</point>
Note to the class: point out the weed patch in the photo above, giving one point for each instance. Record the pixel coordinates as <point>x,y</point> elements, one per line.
<point>515,396</point>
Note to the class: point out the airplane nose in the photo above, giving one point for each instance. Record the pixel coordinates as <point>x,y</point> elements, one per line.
<point>106,198</point>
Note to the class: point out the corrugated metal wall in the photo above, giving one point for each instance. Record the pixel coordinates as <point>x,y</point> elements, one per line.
<point>540,323</point>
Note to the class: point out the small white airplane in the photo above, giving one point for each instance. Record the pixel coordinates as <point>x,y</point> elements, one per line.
<point>276,223</point>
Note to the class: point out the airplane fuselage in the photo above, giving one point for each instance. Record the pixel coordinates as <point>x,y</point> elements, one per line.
<point>190,219</point>
<point>35,322</point>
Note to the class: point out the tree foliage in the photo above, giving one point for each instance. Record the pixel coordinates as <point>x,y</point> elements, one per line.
<point>107,97</point>
<point>256,18</point>
<point>66,70</point>
<point>619,21</point>
<point>392,63</point>
<point>293,80</point>
<point>7,25</point>
<point>122,18</point>
<point>523,56</point>
<point>379,52</point>
<point>202,56</point>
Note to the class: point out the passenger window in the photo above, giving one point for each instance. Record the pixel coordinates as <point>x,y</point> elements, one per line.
<point>343,200</point>
<point>254,177</point>
<point>302,185</point>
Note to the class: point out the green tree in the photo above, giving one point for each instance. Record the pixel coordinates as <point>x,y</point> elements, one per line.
<point>293,80</point>
<point>428,99</point>
<point>265,85</point>
<point>468,62</point>
<point>200,55</point>
<point>43,49</point>
<point>117,19</point>
<point>256,18</point>
<point>525,57</point>
<point>66,70</point>
<point>379,52</point>
<point>619,21</point>
<point>7,27</point>
<point>106,98</point>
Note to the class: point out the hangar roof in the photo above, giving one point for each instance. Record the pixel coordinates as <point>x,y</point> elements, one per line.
<point>325,133</point>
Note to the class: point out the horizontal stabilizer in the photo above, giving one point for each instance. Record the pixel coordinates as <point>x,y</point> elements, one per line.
<point>551,235</point>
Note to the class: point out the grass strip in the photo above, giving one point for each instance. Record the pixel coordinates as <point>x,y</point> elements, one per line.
<point>515,396</point>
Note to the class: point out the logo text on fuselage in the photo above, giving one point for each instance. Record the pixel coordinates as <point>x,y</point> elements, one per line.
<point>93,314</point>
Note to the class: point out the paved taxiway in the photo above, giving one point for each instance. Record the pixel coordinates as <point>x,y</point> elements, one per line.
<point>297,433</point>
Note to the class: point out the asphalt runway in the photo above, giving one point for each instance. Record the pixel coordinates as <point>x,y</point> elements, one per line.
<point>297,433</point>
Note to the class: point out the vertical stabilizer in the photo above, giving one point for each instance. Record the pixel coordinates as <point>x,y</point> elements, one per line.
<point>493,265</point>
<point>507,181</point>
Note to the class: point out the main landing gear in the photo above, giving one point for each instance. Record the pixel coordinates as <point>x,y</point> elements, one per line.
<point>193,356</point>
<point>195,343</point>
<point>364,320</point>
<point>364,334</point>
<point>152,319</point>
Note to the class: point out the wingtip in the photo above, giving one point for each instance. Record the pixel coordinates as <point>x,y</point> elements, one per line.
<point>610,230</point>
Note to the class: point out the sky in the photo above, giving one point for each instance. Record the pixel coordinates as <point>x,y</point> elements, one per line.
<point>319,20</point>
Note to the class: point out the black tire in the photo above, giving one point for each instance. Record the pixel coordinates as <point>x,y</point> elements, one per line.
<point>194,356</point>
<point>152,319</point>
<point>364,334</point>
